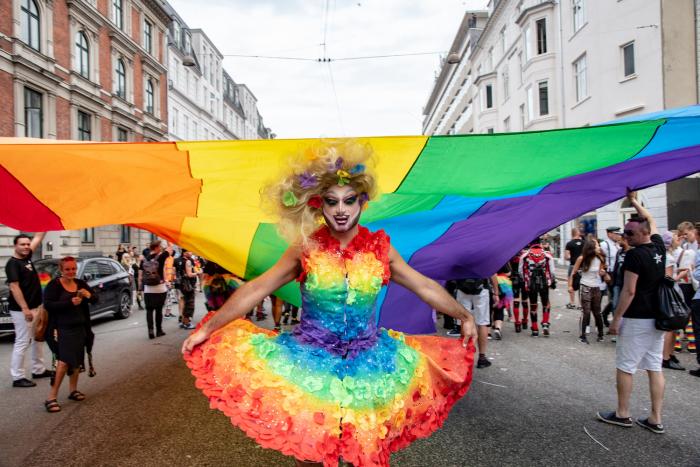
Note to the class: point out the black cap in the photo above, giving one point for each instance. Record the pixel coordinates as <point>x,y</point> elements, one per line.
<point>614,229</point>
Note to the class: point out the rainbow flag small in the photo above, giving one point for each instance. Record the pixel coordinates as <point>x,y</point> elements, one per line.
<point>44,279</point>
<point>505,286</point>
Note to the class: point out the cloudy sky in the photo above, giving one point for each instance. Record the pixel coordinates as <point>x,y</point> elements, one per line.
<point>296,98</point>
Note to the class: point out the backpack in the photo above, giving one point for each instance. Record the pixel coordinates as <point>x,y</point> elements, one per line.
<point>537,262</point>
<point>151,271</point>
<point>673,311</point>
<point>471,286</point>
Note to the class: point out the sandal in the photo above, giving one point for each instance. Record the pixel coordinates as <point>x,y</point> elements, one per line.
<point>76,396</point>
<point>52,406</point>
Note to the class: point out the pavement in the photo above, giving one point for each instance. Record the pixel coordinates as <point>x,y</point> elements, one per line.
<point>534,406</point>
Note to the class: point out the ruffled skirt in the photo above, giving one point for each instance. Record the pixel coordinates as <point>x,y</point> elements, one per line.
<point>308,403</point>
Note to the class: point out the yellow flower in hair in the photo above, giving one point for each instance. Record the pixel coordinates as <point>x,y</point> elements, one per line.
<point>343,177</point>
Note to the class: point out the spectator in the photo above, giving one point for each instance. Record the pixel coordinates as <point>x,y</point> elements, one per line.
<point>520,296</point>
<point>671,242</point>
<point>687,232</point>
<point>155,287</point>
<point>609,247</point>
<point>24,302</point>
<point>218,284</point>
<point>188,281</point>
<point>68,333</point>
<point>640,344</point>
<point>592,264</point>
<point>138,284</point>
<point>572,251</point>
<point>120,252</point>
<point>695,316</point>
<point>685,260</point>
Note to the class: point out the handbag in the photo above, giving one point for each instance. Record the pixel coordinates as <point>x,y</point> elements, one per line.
<point>41,322</point>
<point>673,312</point>
<point>186,285</point>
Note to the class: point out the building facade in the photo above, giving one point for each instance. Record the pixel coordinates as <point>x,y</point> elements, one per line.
<point>89,70</point>
<point>529,65</point>
<point>204,102</point>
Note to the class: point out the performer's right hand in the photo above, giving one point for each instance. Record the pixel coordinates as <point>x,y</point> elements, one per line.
<point>194,340</point>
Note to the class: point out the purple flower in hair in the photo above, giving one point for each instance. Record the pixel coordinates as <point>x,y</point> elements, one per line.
<point>339,163</point>
<point>308,180</point>
<point>364,197</point>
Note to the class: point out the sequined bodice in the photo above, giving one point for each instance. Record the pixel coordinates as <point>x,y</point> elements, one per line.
<point>339,289</point>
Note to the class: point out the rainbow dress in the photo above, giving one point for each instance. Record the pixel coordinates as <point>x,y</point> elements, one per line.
<point>336,386</point>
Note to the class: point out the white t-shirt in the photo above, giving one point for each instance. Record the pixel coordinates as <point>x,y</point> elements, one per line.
<point>610,251</point>
<point>671,261</point>
<point>686,260</point>
<point>591,278</point>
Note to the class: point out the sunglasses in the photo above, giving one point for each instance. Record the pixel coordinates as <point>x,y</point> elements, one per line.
<point>628,233</point>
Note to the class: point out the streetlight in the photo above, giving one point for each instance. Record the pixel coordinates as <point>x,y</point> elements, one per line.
<point>453,58</point>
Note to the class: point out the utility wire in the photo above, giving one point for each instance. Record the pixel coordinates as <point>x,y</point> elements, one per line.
<point>325,59</point>
<point>337,102</point>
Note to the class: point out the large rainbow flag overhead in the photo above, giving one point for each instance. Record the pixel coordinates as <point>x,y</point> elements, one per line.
<point>454,206</point>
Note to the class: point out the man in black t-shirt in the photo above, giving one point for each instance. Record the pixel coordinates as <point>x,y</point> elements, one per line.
<point>572,251</point>
<point>24,302</point>
<point>640,344</point>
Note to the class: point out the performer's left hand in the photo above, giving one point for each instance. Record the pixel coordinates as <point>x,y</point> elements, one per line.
<point>468,331</point>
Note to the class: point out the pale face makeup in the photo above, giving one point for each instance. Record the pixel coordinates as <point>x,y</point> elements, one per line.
<point>341,208</point>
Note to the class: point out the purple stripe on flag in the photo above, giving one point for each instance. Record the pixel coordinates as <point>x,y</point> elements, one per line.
<point>480,245</point>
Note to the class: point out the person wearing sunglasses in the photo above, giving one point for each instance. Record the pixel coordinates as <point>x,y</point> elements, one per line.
<point>639,344</point>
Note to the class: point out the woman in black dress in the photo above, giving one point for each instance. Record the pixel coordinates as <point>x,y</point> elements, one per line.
<point>66,299</point>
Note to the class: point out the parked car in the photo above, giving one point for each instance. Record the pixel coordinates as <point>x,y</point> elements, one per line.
<point>109,280</point>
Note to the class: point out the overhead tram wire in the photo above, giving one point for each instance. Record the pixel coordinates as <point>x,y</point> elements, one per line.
<point>326,59</point>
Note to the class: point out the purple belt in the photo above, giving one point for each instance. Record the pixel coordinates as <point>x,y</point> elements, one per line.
<point>309,333</point>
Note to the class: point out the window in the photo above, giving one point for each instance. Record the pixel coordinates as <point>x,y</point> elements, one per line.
<point>506,86</point>
<point>577,7</point>
<point>84,126</point>
<point>489,131</point>
<point>628,59</point>
<point>33,114</point>
<point>87,236</point>
<point>520,68</point>
<point>173,127</point>
<point>527,37</point>
<point>522,117</point>
<point>506,125</point>
<point>543,88</point>
<point>530,104</point>
<point>149,97</point>
<point>118,13</point>
<point>148,36</point>
<point>177,33</point>
<point>105,269</point>
<point>82,55</point>
<point>541,36</point>
<point>124,234</point>
<point>489,96</point>
<point>122,135</point>
<point>186,130</point>
<point>30,24</point>
<point>503,40</point>
<point>580,78</point>
<point>121,79</point>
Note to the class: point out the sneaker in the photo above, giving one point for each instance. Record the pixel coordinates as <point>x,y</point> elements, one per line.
<point>525,325</point>
<point>45,374</point>
<point>188,326</point>
<point>570,306</point>
<point>656,428</point>
<point>695,372</point>
<point>535,333</point>
<point>672,365</point>
<point>693,351</point>
<point>613,339</point>
<point>168,315</point>
<point>497,334</point>
<point>483,362</point>
<point>545,330</point>
<point>23,383</point>
<point>518,327</point>
<point>454,333</point>
<point>277,328</point>
<point>583,340</point>
<point>613,419</point>
<point>160,334</point>
<point>489,337</point>
<point>600,339</point>
<point>673,358</point>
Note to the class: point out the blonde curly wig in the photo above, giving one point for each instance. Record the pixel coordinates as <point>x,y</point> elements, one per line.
<point>294,197</point>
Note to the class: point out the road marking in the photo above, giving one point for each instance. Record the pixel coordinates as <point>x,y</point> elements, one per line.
<point>493,384</point>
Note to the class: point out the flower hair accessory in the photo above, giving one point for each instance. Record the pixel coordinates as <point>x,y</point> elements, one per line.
<point>289,199</point>
<point>359,168</point>
<point>343,177</point>
<point>364,197</point>
<point>308,180</point>
<point>315,202</point>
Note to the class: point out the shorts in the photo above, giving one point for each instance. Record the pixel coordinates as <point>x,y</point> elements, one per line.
<point>478,306</point>
<point>640,346</point>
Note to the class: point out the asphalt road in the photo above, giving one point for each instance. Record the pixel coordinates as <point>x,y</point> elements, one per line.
<point>531,407</point>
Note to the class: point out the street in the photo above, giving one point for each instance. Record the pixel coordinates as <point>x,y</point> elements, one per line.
<point>533,406</point>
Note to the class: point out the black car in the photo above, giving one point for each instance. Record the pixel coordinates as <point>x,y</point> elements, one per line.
<point>107,277</point>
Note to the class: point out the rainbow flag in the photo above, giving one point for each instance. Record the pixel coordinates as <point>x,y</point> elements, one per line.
<point>454,206</point>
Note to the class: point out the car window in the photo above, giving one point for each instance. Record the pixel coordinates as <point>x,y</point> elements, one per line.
<point>91,269</point>
<point>105,269</point>
<point>47,269</point>
<point>116,267</point>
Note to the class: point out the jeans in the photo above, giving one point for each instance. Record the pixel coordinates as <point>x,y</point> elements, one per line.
<point>695,316</point>
<point>23,339</point>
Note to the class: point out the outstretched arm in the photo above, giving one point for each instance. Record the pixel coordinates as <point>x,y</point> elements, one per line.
<point>429,291</point>
<point>248,295</point>
<point>642,211</point>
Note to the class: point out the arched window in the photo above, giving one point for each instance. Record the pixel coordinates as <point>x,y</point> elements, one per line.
<point>149,96</point>
<point>82,55</point>
<point>30,24</point>
<point>121,79</point>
